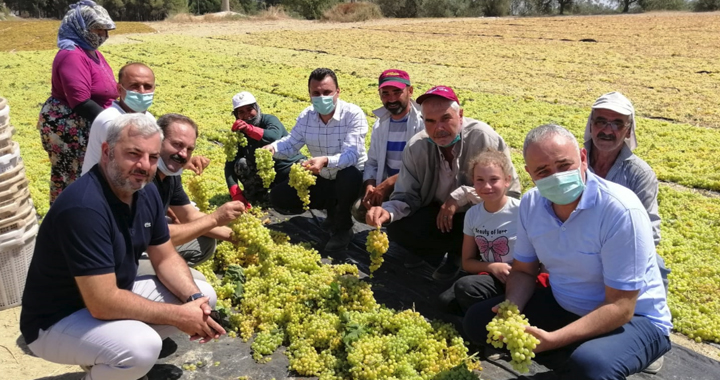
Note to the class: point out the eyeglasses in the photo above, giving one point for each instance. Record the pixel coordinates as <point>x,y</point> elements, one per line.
<point>615,125</point>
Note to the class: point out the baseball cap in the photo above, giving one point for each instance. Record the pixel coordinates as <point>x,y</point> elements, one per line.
<point>242,99</point>
<point>441,91</point>
<point>395,78</point>
<point>617,102</point>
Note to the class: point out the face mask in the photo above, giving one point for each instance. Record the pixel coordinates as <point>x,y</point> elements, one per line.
<point>561,188</point>
<point>457,138</point>
<point>164,169</point>
<point>323,104</point>
<point>138,102</point>
<point>94,40</point>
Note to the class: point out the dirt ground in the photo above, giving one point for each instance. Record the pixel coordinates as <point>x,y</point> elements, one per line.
<point>18,364</point>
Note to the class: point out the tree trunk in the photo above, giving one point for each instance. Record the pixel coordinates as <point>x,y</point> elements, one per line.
<point>626,9</point>
<point>225,7</point>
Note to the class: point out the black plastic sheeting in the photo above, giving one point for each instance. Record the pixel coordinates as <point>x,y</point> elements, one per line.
<point>396,287</point>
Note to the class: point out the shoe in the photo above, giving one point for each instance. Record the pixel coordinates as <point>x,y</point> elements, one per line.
<point>339,240</point>
<point>327,224</point>
<point>655,366</point>
<point>448,269</point>
<point>413,261</point>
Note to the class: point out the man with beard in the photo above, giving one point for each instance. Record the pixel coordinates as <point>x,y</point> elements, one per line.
<point>425,217</point>
<point>194,233</point>
<point>83,303</point>
<point>397,121</point>
<point>610,141</point>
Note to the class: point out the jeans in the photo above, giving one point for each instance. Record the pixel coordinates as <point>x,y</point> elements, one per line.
<point>615,355</point>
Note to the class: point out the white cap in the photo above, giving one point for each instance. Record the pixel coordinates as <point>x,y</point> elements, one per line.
<point>617,102</point>
<point>242,99</point>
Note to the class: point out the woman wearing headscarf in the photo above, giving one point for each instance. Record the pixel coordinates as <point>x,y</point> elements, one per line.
<point>260,129</point>
<point>83,85</point>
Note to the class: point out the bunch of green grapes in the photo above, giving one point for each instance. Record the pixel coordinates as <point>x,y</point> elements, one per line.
<point>265,343</point>
<point>301,179</point>
<point>250,233</point>
<point>199,192</point>
<point>377,244</point>
<point>508,327</point>
<point>265,166</point>
<point>230,141</point>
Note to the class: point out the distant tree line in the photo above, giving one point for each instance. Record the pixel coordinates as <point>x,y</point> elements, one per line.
<point>151,10</point>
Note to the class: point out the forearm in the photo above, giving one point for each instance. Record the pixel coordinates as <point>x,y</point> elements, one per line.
<point>221,233</point>
<point>173,272</point>
<point>475,266</point>
<point>519,287</point>
<point>124,304</point>
<point>185,232</point>
<point>606,318</point>
<point>388,184</point>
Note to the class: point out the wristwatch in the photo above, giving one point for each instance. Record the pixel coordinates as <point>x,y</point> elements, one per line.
<point>194,297</point>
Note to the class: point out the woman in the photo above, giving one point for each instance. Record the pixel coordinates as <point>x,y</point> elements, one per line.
<point>260,129</point>
<point>83,85</point>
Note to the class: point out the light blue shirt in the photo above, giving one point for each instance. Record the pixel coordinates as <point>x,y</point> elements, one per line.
<point>606,241</point>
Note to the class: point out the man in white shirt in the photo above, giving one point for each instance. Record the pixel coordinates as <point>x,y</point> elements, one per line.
<point>334,132</point>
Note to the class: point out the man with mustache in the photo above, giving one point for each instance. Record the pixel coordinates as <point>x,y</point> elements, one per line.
<point>83,302</point>
<point>194,233</point>
<point>397,121</point>
<point>426,210</point>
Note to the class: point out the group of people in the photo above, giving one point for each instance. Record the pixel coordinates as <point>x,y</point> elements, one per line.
<point>111,276</point>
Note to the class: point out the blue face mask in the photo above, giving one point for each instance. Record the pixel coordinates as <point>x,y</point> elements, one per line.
<point>323,104</point>
<point>457,138</point>
<point>138,102</point>
<point>562,188</point>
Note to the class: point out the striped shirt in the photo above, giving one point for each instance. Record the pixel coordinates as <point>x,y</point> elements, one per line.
<point>342,139</point>
<point>395,145</point>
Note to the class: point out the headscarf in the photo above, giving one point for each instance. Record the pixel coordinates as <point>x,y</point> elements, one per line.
<point>77,23</point>
<point>615,101</point>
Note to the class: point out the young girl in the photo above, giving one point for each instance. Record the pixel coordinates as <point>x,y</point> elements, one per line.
<point>490,231</point>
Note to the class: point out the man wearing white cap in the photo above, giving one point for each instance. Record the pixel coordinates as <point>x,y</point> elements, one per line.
<point>260,129</point>
<point>609,141</point>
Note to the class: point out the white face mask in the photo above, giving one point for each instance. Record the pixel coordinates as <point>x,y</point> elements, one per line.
<point>165,170</point>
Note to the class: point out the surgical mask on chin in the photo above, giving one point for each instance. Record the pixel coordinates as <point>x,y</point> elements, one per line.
<point>457,138</point>
<point>138,102</point>
<point>323,104</point>
<point>164,169</point>
<point>561,188</point>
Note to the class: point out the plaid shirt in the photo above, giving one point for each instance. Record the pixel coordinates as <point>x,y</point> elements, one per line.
<point>342,139</point>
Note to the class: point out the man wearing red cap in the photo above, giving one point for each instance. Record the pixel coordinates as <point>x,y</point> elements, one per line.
<point>425,218</point>
<point>398,120</point>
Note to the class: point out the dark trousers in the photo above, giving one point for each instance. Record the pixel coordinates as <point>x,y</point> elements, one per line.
<point>418,233</point>
<point>469,290</point>
<point>627,350</point>
<point>336,196</point>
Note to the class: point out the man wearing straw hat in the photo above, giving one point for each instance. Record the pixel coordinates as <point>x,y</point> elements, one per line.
<point>83,303</point>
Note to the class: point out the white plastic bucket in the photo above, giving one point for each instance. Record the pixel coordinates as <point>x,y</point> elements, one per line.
<point>15,257</point>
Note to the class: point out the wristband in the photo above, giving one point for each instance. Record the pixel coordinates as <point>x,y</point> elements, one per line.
<point>194,297</point>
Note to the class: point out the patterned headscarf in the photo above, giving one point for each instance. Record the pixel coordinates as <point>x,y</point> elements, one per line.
<point>615,101</point>
<point>77,23</point>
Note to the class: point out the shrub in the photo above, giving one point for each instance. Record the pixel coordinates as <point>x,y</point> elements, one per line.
<point>353,12</point>
<point>443,8</point>
<point>310,9</point>
<point>706,5</point>
<point>399,8</point>
<point>273,13</point>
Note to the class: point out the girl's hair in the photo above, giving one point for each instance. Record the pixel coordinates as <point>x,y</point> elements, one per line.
<point>492,157</point>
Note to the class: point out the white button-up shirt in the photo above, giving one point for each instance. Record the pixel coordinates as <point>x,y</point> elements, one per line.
<point>342,139</point>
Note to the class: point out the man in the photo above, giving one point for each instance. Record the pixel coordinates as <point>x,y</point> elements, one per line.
<point>605,314</point>
<point>609,141</point>
<point>136,87</point>
<point>334,132</point>
<point>82,302</point>
<point>425,218</point>
<point>397,121</point>
<point>194,233</point>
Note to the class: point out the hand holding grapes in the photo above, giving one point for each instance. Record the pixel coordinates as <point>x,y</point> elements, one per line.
<point>315,164</point>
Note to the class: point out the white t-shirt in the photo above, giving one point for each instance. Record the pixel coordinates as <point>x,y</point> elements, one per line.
<point>98,134</point>
<point>495,233</point>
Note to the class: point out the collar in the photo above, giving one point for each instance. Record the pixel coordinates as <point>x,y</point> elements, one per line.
<point>338,110</point>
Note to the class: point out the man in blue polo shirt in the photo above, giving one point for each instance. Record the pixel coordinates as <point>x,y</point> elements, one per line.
<point>82,302</point>
<point>605,312</point>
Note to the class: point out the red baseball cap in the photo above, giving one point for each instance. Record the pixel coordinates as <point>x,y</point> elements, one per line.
<point>395,78</point>
<point>441,91</point>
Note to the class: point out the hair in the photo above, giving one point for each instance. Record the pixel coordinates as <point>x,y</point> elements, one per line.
<point>320,74</point>
<point>121,73</point>
<point>141,124</point>
<point>546,131</point>
<point>169,118</point>
<point>451,103</point>
<point>492,157</point>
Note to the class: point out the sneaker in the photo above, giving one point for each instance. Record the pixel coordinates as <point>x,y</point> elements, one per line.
<point>655,366</point>
<point>448,269</point>
<point>413,261</point>
<point>339,240</point>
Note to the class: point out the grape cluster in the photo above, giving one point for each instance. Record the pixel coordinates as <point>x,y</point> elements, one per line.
<point>377,244</point>
<point>230,141</point>
<point>265,166</point>
<point>508,327</point>
<point>301,179</point>
<point>199,192</point>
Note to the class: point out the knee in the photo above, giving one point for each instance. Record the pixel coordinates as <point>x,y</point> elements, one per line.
<point>208,291</point>
<point>137,351</point>
<point>476,320</point>
<point>358,211</point>
<point>590,365</point>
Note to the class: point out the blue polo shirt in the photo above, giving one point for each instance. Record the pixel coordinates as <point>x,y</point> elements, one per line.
<point>87,231</point>
<point>606,241</point>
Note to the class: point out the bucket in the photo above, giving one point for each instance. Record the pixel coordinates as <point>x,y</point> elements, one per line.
<point>10,161</point>
<point>12,186</point>
<point>6,143</point>
<point>15,257</point>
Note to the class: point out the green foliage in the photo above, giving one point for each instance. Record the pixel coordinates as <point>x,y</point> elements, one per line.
<point>399,8</point>
<point>443,8</point>
<point>491,8</point>
<point>353,12</point>
<point>667,5</point>
<point>310,9</point>
<point>706,5</point>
